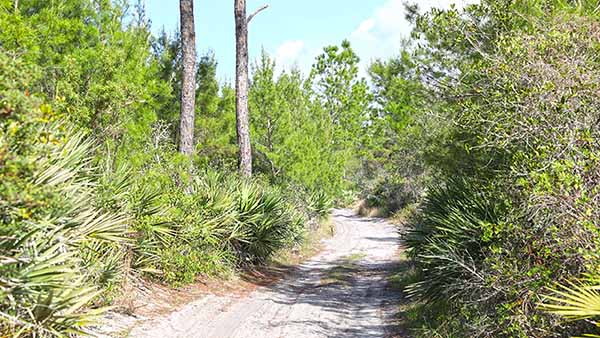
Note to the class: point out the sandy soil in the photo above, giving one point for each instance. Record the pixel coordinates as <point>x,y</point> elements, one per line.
<point>341,292</point>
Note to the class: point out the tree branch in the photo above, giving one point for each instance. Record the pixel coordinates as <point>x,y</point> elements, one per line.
<point>251,16</point>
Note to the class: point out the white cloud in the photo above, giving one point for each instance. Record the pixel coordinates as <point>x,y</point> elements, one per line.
<point>377,36</point>
<point>295,53</point>
<point>289,51</point>
<point>380,35</point>
<point>364,28</point>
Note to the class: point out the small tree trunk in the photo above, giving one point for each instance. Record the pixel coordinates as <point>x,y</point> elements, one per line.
<point>241,88</point>
<point>188,86</point>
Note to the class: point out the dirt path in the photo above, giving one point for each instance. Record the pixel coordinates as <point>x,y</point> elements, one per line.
<point>339,293</point>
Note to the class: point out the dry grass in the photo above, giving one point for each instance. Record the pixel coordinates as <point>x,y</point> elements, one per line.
<point>362,209</point>
<point>402,216</point>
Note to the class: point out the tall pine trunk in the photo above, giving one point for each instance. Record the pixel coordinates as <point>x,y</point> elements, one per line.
<point>188,86</point>
<point>241,88</point>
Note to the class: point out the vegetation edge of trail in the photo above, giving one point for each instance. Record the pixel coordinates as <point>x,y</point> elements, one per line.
<point>481,135</point>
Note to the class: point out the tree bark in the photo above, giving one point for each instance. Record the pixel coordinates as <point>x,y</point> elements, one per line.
<point>241,85</point>
<point>188,86</point>
<point>241,88</point>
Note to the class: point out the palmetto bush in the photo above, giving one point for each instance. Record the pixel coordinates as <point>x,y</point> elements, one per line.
<point>450,240</point>
<point>49,223</point>
<point>575,301</point>
<point>250,219</point>
<point>269,221</point>
<point>217,223</point>
<point>320,203</point>
<point>56,243</point>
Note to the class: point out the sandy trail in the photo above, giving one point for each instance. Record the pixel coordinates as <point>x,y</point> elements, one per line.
<point>339,293</point>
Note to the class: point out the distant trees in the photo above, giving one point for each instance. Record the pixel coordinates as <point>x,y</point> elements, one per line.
<point>188,88</point>
<point>341,92</point>
<point>299,133</point>
<point>340,102</point>
<point>215,130</point>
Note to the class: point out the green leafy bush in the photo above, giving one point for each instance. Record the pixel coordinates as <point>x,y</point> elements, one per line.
<point>50,220</point>
<point>320,203</point>
<point>183,263</point>
<point>393,193</point>
<point>523,137</point>
<point>451,240</point>
<point>214,224</point>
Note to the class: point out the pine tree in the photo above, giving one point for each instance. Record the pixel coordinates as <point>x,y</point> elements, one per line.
<point>188,92</point>
<point>241,85</point>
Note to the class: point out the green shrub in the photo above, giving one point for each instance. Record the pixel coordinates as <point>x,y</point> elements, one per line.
<point>524,138</point>
<point>451,240</point>
<point>50,221</point>
<point>182,264</point>
<point>320,203</point>
<point>214,224</point>
<point>259,220</point>
<point>393,193</point>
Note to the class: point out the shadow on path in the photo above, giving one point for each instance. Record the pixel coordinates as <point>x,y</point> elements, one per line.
<point>348,289</point>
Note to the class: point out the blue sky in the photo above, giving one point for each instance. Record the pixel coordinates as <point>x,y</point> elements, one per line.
<point>294,31</point>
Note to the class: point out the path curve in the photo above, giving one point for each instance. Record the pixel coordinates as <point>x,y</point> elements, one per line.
<point>341,292</point>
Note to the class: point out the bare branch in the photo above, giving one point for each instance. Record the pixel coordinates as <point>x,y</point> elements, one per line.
<point>251,16</point>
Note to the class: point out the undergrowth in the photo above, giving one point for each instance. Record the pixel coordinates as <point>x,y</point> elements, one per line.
<point>74,227</point>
